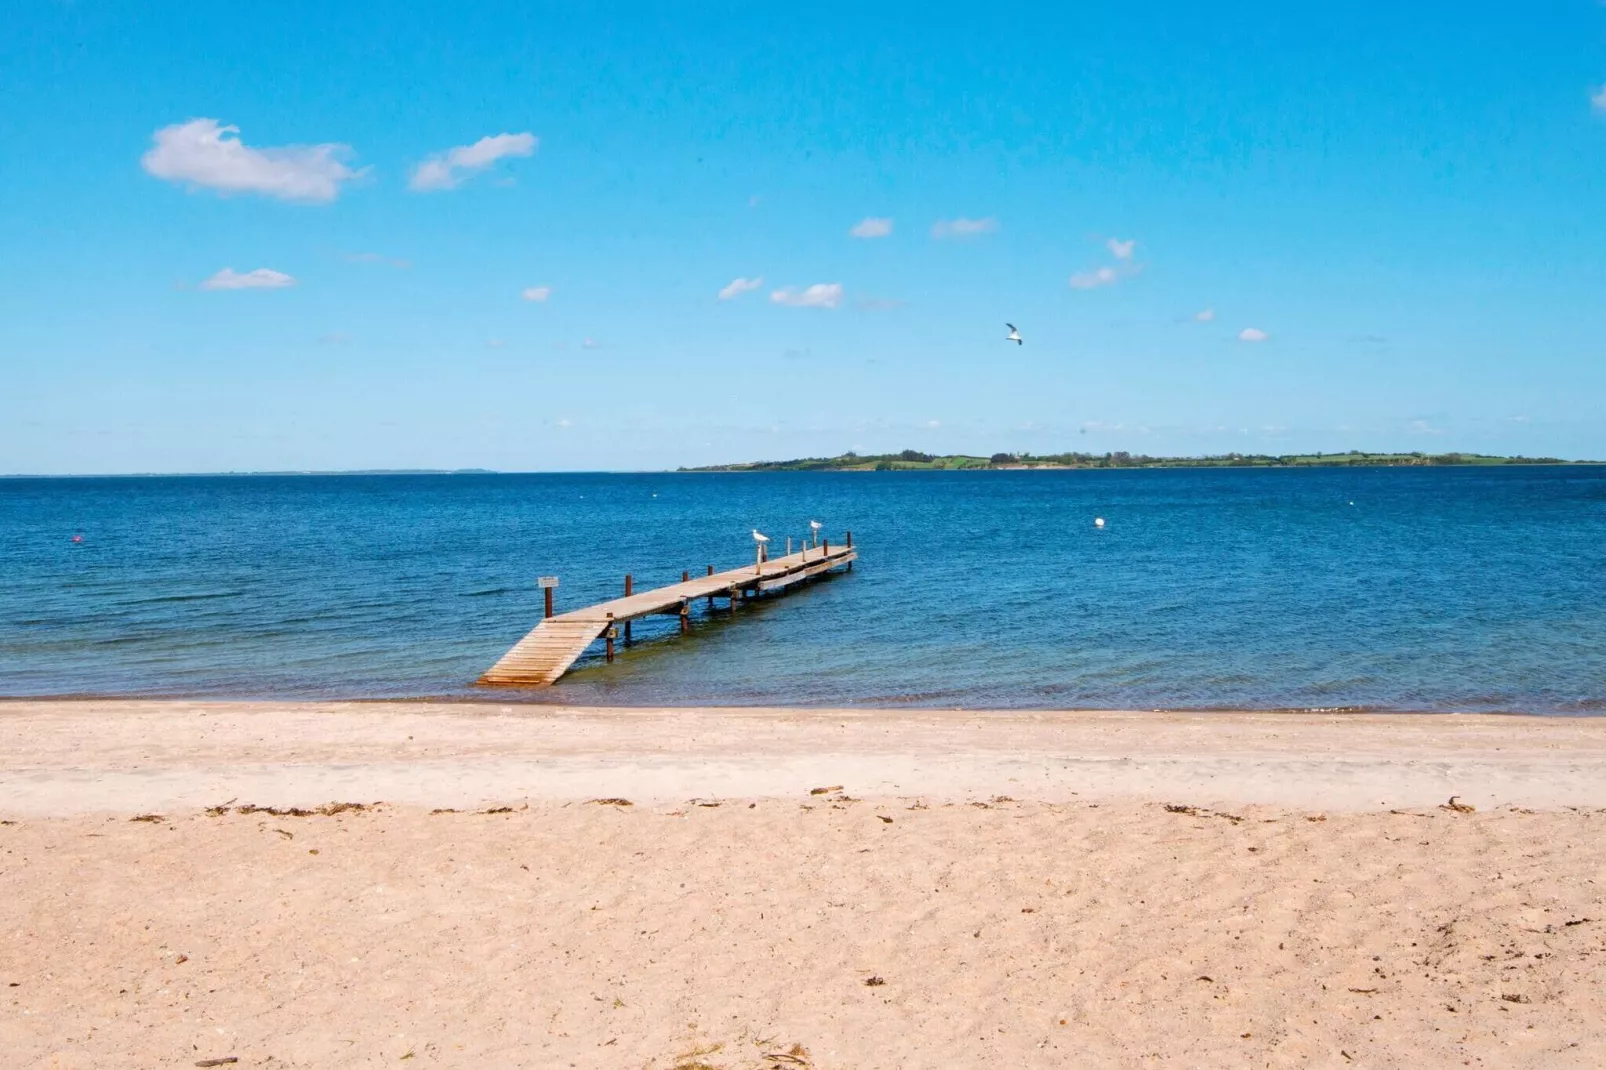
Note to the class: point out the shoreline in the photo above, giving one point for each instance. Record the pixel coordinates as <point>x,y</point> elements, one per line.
<point>522,698</point>
<point>121,756</point>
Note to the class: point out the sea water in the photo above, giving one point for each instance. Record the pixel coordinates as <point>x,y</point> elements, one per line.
<point>1474,589</point>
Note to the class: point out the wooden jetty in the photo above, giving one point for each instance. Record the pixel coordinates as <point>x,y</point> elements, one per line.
<point>555,644</point>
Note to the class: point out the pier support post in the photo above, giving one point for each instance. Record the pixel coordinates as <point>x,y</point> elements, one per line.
<point>549,601</point>
<point>629,590</point>
<point>685,618</point>
<point>825,550</point>
<point>710,597</point>
<point>609,635</point>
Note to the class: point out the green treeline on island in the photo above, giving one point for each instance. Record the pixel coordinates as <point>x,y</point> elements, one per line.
<point>915,461</point>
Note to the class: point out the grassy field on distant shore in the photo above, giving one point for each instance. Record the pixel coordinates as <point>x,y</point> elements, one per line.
<point>915,461</point>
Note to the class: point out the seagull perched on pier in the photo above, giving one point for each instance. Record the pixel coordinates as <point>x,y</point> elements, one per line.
<point>759,537</point>
<point>1013,335</point>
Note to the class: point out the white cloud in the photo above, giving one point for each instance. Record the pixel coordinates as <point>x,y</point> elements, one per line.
<point>737,287</point>
<point>202,153</point>
<point>260,279</point>
<point>1252,334</point>
<point>820,295</point>
<point>1204,315</point>
<point>447,170</point>
<point>963,228</point>
<point>1598,99</point>
<point>872,227</point>
<point>933,424</point>
<point>1092,280</point>
<point>1121,250</point>
<point>589,343</point>
<point>536,293</point>
<point>494,343</point>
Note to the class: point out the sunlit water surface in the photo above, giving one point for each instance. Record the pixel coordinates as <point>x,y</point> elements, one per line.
<point>1395,589</point>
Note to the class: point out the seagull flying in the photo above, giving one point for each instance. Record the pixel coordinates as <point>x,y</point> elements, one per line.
<point>1013,335</point>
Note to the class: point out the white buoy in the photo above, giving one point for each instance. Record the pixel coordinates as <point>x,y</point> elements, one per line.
<point>1098,521</point>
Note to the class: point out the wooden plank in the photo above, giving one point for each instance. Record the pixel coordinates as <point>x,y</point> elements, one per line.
<point>545,654</point>
<point>806,573</point>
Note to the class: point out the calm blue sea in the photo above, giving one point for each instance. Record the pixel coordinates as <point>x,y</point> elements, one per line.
<point>1392,589</point>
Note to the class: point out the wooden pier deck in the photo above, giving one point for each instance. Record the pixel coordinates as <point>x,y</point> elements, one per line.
<point>555,644</point>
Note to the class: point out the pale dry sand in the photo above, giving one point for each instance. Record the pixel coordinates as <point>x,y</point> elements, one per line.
<point>1290,918</point>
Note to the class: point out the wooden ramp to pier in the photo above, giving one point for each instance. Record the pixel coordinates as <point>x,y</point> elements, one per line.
<point>555,644</point>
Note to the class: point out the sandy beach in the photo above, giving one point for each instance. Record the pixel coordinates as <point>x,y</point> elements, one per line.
<point>540,886</point>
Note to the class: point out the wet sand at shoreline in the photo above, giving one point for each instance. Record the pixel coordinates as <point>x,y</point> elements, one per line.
<point>1105,889</point>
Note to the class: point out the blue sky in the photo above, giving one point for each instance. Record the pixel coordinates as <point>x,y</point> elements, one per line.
<point>1409,205</point>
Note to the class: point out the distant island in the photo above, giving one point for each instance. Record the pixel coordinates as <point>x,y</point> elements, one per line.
<point>915,461</point>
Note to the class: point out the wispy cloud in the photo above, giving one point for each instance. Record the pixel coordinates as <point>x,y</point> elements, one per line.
<point>203,153</point>
<point>538,294</point>
<point>589,343</point>
<point>1103,276</point>
<point>1204,315</point>
<point>737,287</point>
<point>378,258</point>
<point>447,170</point>
<point>494,343</point>
<point>1109,275</point>
<point>963,228</point>
<point>260,279</point>
<point>1252,334</point>
<point>1092,280</point>
<point>1598,99</point>
<point>872,227</point>
<point>820,295</point>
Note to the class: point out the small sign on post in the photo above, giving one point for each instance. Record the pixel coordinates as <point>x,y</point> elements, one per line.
<point>547,584</point>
